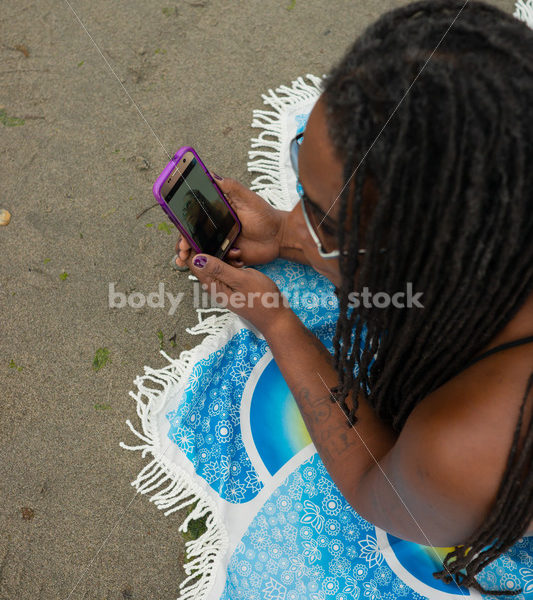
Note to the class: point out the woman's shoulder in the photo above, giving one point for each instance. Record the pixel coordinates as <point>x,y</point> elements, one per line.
<point>485,398</point>
<point>468,424</point>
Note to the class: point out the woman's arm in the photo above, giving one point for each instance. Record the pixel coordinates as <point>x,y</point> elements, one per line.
<point>418,485</point>
<point>306,365</point>
<point>374,474</point>
<point>411,485</point>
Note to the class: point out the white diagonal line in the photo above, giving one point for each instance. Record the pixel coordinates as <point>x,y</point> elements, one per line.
<point>135,104</point>
<point>390,483</point>
<point>110,532</point>
<point>394,111</point>
<point>117,78</point>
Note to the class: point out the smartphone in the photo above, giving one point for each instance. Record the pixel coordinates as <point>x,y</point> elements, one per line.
<point>196,205</point>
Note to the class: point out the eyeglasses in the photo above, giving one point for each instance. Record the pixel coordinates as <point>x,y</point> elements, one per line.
<point>294,148</point>
<point>312,232</point>
<point>293,151</point>
<point>312,228</point>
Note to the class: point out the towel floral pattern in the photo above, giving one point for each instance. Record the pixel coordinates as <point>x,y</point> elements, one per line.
<point>304,541</point>
<point>308,551</point>
<point>295,555</point>
<point>206,426</point>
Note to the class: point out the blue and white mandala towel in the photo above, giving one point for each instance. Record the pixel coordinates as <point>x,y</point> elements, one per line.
<point>224,431</point>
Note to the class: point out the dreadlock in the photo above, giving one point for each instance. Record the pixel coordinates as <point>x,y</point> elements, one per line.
<point>446,138</point>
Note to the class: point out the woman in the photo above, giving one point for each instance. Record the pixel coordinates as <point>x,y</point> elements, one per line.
<point>414,170</point>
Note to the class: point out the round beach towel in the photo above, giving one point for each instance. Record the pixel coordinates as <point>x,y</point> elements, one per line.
<point>224,433</point>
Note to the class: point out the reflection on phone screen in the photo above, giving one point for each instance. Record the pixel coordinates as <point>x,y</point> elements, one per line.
<point>199,208</point>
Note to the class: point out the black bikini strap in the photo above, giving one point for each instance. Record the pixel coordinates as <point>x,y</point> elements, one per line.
<point>499,348</point>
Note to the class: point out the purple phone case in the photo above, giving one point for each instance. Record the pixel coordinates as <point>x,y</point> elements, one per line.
<point>161,180</point>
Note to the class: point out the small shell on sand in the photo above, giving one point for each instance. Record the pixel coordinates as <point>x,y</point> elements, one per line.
<point>5,217</point>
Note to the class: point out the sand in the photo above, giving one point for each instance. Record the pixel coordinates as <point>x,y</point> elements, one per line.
<point>80,149</point>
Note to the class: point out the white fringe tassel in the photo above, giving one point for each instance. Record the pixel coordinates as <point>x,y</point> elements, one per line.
<point>267,160</point>
<point>524,11</point>
<point>176,488</point>
<point>203,553</point>
<point>181,491</point>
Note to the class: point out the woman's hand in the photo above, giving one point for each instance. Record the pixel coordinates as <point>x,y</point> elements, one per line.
<point>262,228</point>
<point>247,292</point>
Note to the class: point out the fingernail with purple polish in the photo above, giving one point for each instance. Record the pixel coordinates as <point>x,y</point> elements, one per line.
<point>200,261</point>
<point>217,177</point>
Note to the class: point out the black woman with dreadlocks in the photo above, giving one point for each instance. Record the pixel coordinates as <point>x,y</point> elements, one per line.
<point>416,166</point>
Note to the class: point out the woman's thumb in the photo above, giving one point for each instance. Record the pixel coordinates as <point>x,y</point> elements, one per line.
<point>210,269</point>
<point>207,267</point>
<point>200,261</point>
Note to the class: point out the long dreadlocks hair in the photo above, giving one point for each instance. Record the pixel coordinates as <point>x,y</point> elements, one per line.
<point>446,139</point>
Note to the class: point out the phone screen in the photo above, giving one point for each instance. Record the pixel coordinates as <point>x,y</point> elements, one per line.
<point>199,208</point>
